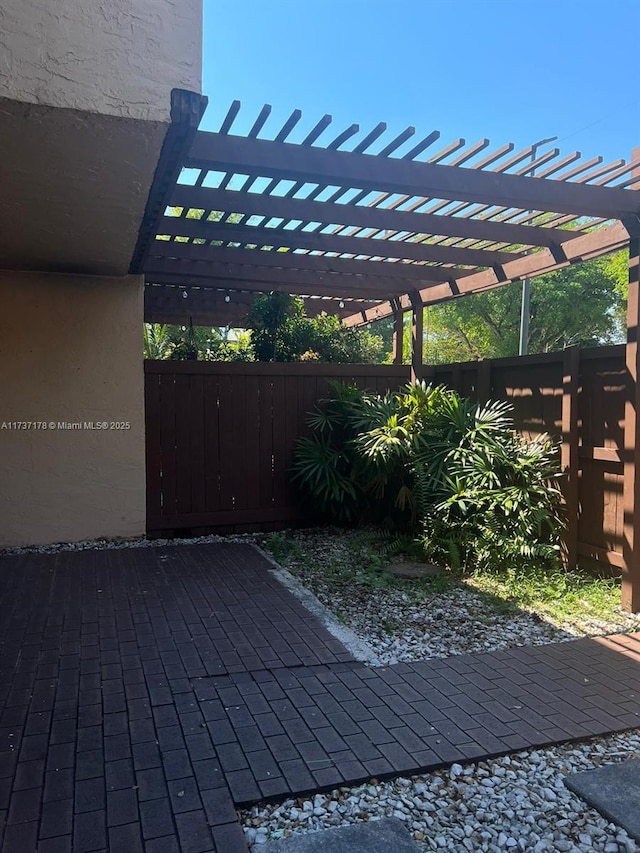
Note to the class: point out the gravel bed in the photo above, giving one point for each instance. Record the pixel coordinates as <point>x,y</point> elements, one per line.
<point>517,803</point>
<point>138,542</point>
<point>414,623</point>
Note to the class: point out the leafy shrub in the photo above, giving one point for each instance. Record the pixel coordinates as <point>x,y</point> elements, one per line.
<point>280,331</point>
<point>429,461</point>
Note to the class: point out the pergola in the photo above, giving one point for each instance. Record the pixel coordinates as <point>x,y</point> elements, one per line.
<point>372,235</point>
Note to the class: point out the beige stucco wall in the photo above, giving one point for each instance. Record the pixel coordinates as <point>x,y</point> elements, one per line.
<point>71,351</point>
<point>118,57</point>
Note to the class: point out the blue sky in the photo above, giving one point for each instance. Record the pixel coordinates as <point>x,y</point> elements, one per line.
<point>509,70</point>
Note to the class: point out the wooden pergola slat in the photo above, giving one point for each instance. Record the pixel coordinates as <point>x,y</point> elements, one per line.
<point>364,171</point>
<point>321,241</point>
<point>257,204</point>
<point>265,279</point>
<point>212,307</point>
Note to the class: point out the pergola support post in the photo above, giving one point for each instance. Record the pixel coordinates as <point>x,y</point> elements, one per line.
<point>417,337</point>
<point>570,460</point>
<point>631,546</point>
<point>398,333</point>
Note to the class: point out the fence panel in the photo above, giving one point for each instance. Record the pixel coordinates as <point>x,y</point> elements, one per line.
<point>221,437</point>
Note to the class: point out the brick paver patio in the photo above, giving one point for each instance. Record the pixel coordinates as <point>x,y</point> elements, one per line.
<point>147,692</point>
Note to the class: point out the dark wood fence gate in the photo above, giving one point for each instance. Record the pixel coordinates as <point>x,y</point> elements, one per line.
<point>220,438</point>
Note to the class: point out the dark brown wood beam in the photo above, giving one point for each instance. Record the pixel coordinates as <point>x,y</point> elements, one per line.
<point>594,244</point>
<point>314,241</point>
<point>365,171</point>
<point>214,317</point>
<point>264,280</point>
<point>398,336</point>
<point>220,256</point>
<point>257,204</point>
<point>166,304</point>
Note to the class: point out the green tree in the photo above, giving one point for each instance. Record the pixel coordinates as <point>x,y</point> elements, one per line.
<point>581,304</point>
<point>280,331</point>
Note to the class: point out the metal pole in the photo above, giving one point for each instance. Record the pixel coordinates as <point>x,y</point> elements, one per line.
<point>525,307</point>
<point>525,312</point>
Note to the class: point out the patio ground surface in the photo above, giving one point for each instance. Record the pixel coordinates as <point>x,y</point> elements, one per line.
<point>147,692</point>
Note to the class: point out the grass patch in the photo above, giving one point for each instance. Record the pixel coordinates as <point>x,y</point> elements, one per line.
<point>336,564</point>
<point>573,598</point>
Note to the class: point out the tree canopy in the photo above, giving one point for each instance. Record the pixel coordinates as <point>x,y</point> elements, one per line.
<point>582,304</point>
<point>280,331</point>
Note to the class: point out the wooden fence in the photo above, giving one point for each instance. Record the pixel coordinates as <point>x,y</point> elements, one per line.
<point>220,437</point>
<point>579,396</point>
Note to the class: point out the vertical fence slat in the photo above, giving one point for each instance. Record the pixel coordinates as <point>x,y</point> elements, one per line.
<point>183,444</point>
<point>483,383</point>
<point>168,439</point>
<point>265,406</point>
<point>197,452</point>
<point>252,440</point>
<point>226,420</point>
<point>279,441</point>
<point>211,444</point>
<point>153,443</point>
<point>239,443</point>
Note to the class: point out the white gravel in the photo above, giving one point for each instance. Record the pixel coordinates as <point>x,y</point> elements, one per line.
<point>517,802</point>
<point>409,623</point>
<point>109,544</point>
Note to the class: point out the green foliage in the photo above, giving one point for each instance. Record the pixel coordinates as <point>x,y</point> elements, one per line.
<point>581,304</point>
<point>283,548</point>
<point>202,342</point>
<point>280,331</point>
<point>426,459</point>
<point>157,340</point>
<point>575,598</point>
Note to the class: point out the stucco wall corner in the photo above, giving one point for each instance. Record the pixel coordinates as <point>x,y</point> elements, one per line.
<point>71,359</point>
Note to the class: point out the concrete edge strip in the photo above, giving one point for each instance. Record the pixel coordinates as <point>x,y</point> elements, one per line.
<point>358,647</point>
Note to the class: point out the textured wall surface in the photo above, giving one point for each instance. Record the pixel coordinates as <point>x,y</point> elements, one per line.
<point>74,188</point>
<point>118,57</point>
<point>71,351</point>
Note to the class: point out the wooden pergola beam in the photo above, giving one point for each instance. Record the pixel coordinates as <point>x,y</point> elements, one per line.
<point>264,279</point>
<point>243,155</point>
<point>631,469</point>
<point>376,272</point>
<point>380,218</point>
<point>167,304</point>
<point>602,241</point>
<point>324,242</point>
